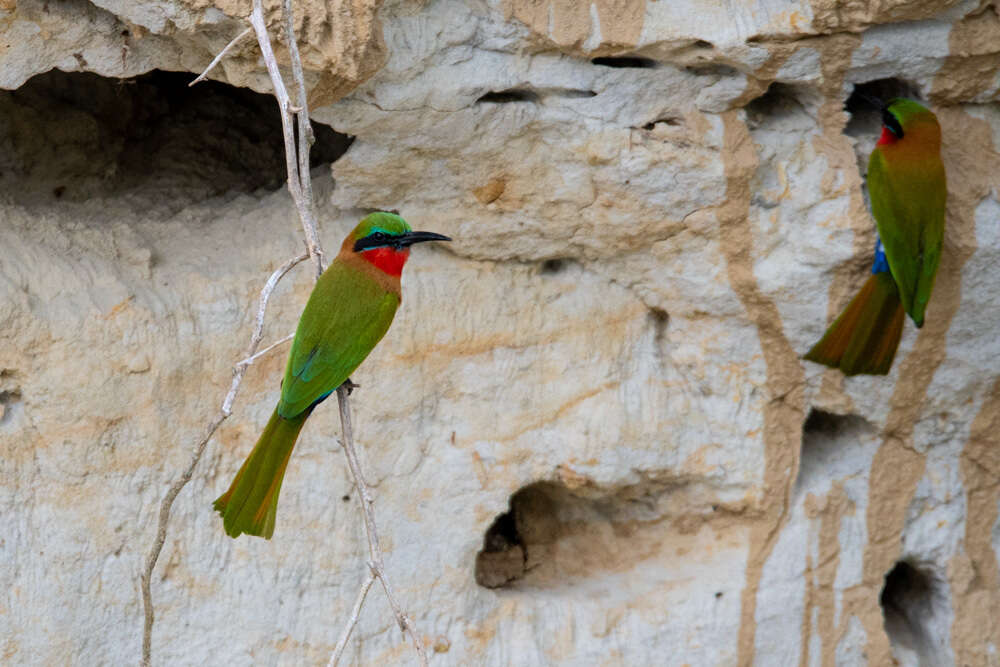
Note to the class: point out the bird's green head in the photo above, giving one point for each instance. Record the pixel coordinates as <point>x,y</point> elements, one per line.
<point>384,240</point>
<point>902,117</point>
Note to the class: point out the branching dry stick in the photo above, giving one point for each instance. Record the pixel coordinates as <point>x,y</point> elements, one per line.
<point>338,650</point>
<point>306,137</point>
<point>168,500</point>
<point>250,360</point>
<point>375,564</point>
<point>296,178</point>
<point>222,54</point>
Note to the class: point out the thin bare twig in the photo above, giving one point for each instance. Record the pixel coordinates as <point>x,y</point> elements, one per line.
<point>376,564</point>
<point>306,137</point>
<point>222,54</point>
<point>258,355</point>
<point>171,495</point>
<point>296,180</point>
<point>338,650</point>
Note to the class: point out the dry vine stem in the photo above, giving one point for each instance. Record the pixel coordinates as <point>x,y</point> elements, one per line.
<point>300,188</point>
<point>222,54</point>
<point>338,650</point>
<point>375,565</point>
<point>297,160</point>
<point>227,404</point>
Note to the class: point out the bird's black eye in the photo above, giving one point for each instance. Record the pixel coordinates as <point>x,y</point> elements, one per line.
<point>891,122</point>
<point>378,237</point>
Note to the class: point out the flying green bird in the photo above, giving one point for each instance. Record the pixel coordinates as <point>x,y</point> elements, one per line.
<point>907,188</point>
<point>348,312</point>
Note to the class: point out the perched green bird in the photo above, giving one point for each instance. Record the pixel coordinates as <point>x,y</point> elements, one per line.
<point>907,188</point>
<point>348,312</point>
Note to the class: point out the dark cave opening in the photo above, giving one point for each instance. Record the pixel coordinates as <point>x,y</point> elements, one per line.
<point>508,96</point>
<point>864,104</point>
<point>780,99</point>
<point>910,602</point>
<point>625,62</point>
<point>75,136</point>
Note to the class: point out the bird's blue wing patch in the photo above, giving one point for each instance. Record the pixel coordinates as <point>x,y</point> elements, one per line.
<point>881,264</point>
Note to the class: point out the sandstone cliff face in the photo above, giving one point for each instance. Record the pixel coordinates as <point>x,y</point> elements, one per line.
<point>589,430</point>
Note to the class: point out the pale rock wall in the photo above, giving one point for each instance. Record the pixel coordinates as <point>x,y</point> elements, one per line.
<point>641,255</point>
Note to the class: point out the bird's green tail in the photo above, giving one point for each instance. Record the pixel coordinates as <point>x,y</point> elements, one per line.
<point>250,504</point>
<point>865,336</point>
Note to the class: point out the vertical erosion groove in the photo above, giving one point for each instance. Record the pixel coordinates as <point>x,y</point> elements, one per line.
<point>784,412</point>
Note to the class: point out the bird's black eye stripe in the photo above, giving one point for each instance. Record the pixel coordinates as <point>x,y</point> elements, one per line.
<point>890,121</point>
<point>373,240</point>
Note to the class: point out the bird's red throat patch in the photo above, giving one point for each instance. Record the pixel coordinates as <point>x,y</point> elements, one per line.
<point>887,137</point>
<point>387,259</point>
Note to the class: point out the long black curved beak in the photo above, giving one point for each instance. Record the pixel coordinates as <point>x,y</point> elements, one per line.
<point>409,238</point>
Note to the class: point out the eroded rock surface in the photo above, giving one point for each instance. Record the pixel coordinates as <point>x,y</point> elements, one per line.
<point>590,432</point>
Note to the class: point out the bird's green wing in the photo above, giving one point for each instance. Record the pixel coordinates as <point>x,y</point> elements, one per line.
<point>346,316</point>
<point>908,203</point>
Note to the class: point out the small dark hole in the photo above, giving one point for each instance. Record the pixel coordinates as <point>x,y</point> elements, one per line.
<point>502,559</point>
<point>718,595</point>
<point>670,121</point>
<point>7,399</point>
<point>865,102</point>
<point>702,44</point>
<point>660,320</point>
<point>551,266</point>
<point>507,96</point>
<point>712,69</point>
<point>778,100</point>
<point>345,498</point>
<point>629,62</point>
<point>819,421</point>
<point>869,96</point>
<point>904,585</point>
<point>502,534</point>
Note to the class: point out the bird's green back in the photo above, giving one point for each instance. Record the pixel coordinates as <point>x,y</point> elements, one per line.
<point>347,314</point>
<point>907,186</point>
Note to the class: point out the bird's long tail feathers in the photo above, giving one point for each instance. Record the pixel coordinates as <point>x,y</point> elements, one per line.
<point>250,504</point>
<point>863,339</point>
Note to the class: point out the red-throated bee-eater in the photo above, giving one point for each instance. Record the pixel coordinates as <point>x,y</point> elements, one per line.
<point>348,312</point>
<point>907,188</point>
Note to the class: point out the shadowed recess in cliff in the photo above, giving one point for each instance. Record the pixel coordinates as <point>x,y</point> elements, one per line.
<point>74,136</point>
<point>508,96</point>
<point>916,614</point>
<point>534,95</point>
<point>863,105</point>
<point>556,537</point>
<point>9,402</point>
<point>829,440</point>
<point>626,62</point>
<point>778,102</point>
<point>865,122</point>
